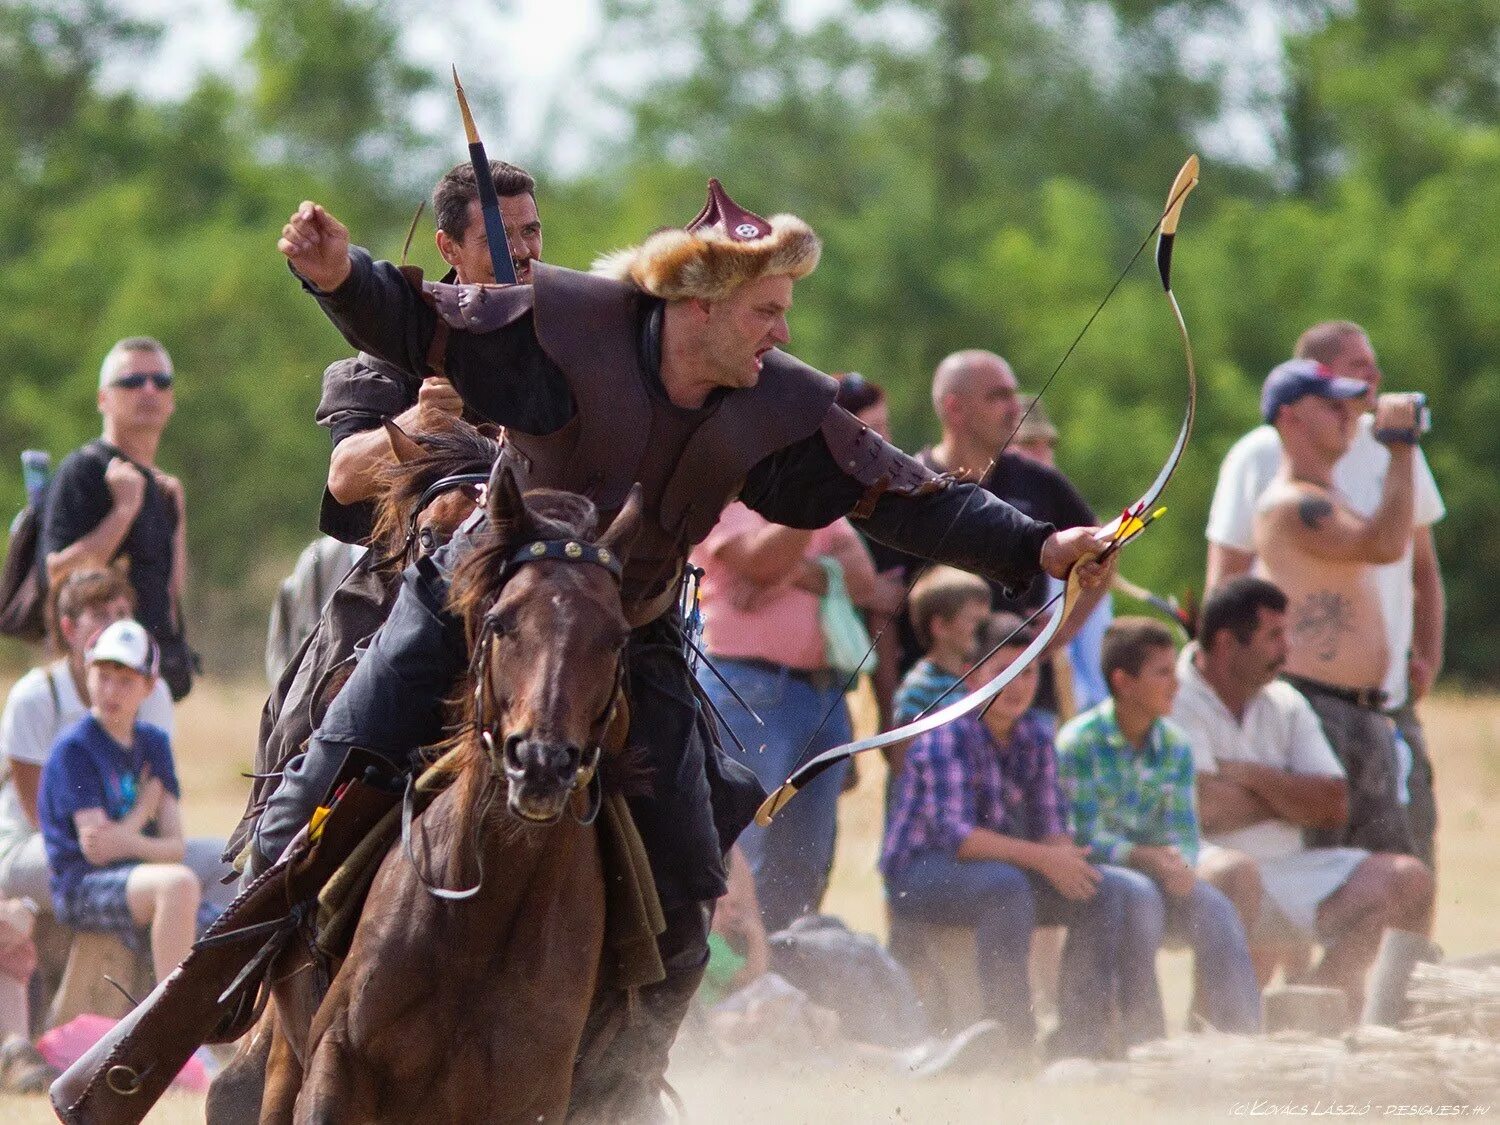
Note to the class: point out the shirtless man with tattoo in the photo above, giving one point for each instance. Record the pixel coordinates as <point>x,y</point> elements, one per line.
<point>1323,554</point>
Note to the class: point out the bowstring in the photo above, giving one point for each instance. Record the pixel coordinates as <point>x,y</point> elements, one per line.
<point>942,539</point>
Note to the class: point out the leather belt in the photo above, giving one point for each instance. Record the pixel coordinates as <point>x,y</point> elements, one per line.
<point>1371,699</point>
<point>819,679</point>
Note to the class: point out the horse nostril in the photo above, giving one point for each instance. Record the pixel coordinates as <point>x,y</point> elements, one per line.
<point>512,753</point>
<point>565,761</point>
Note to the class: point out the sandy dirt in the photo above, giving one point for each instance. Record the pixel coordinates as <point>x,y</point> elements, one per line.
<point>216,742</point>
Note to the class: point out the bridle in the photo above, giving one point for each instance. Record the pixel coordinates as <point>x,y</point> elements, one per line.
<point>491,736</point>
<point>423,537</point>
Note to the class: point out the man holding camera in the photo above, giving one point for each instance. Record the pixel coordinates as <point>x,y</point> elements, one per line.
<point>1323,553</point>
<point>1410,588</point>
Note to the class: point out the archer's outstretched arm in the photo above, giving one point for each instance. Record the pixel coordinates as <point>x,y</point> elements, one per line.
<point>806,485</point>
<point>503,375</point>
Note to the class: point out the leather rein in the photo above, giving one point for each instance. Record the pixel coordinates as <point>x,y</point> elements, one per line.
<point>490,734</point>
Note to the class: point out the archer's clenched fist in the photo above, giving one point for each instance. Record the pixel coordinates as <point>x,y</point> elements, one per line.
<point>317,245</point>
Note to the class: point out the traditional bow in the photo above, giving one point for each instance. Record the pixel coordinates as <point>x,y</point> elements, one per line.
<point>489,202</point>
<point>1120,531</point>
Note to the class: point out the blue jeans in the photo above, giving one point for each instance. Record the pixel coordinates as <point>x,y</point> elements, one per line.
<point>792,858</point>
<point>1004,903</point>
<point>1226,992</point>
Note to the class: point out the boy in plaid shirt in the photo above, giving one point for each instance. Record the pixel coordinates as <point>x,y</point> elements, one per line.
<point>977,835</point>
<point>1128,775</point>
<point>946,608</point>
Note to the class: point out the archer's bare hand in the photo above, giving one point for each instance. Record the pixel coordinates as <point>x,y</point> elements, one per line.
<point>438,394</point>
<point>317,245</point>
<point>1080,545</point>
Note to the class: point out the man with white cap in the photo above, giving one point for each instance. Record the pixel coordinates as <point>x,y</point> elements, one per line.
<point>110,813</point>
<point>1323,554</point>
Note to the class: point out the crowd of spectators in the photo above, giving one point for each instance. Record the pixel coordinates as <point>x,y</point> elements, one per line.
<point>1262,797</point>
<point>91,831</point>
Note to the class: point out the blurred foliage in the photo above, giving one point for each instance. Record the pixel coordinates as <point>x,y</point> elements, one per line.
<point>980,172</point>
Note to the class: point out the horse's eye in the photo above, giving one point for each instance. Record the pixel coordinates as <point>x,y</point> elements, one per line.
<point>502,624</point>
<point>428,540</point>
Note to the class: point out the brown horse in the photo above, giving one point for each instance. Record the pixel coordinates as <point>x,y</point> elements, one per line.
<point>472,1008</point>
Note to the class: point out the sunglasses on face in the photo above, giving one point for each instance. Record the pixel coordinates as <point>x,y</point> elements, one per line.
<point>161,380</point>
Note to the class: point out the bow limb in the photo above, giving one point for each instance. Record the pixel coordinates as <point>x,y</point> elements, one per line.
<point>1116,534</point>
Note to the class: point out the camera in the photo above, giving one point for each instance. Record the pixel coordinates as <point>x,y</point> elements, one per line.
<point>1413,435</point>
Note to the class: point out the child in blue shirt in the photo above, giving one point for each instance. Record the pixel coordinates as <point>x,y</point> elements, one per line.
<point>109,812</point>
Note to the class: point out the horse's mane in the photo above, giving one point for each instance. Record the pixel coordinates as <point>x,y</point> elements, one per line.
<point>458,448</point>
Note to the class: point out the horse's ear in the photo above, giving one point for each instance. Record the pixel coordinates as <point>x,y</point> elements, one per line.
<point>622,530</point>
<point>507,508</point>
<point>402,444</point>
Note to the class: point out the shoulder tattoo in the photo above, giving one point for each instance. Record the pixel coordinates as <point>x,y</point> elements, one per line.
<point>1313,510</point>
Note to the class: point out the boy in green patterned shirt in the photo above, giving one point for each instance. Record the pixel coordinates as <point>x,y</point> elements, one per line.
<point>1128,775</point>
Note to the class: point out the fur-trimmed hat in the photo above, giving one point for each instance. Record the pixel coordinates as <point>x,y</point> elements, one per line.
<point>722,249</point>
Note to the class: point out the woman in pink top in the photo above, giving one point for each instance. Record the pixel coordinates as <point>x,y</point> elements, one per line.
<point>762,589</point>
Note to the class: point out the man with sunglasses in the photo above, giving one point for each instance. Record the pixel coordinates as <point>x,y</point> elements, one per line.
<point>109,499</point>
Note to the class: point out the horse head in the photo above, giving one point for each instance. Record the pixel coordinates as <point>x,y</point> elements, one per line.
<point>430,488</point>
<point>540,596</point>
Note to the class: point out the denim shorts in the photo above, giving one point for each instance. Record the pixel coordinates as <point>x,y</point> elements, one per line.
<point>97,903</point>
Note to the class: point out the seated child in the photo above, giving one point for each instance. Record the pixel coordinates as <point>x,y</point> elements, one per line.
<point>976,836</point>
<point>1128,773</point>
<point>109,811</point>
<point>946,606</point>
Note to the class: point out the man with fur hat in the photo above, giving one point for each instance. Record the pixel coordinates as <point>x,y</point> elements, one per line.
<point>663,368</point>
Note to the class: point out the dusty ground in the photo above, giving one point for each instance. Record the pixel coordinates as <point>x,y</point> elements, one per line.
<point>216,742</point>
